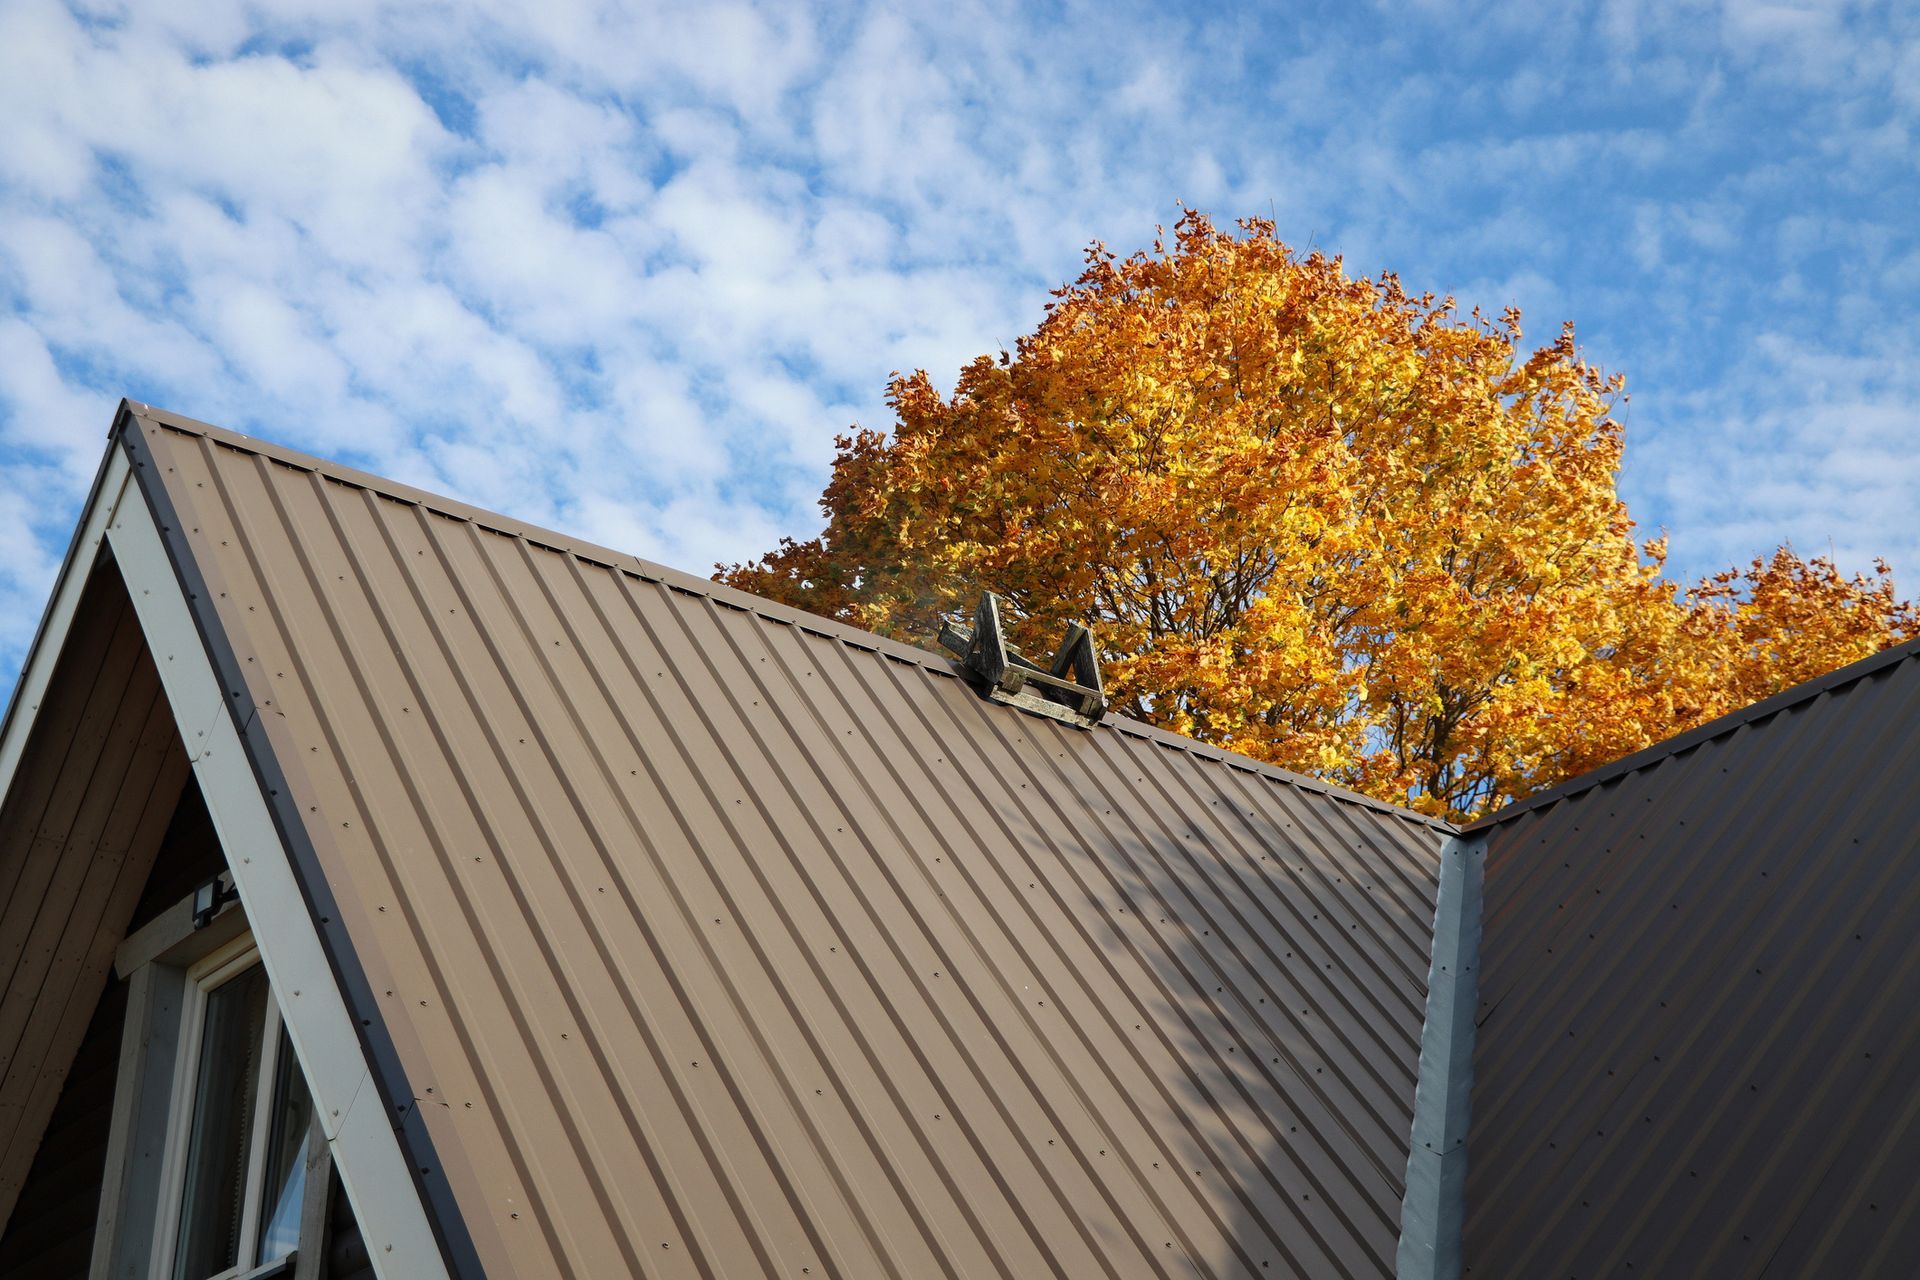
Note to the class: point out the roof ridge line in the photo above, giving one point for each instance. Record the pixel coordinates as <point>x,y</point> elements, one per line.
<point>723,594</point>
<point>1718,727</point>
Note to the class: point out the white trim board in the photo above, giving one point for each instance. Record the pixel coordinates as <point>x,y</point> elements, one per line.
<point>366,1152</point>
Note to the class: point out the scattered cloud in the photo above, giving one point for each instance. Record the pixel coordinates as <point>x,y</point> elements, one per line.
<point>628,269</point>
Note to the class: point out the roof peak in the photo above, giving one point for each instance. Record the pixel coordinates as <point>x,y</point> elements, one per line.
<point>720,593</point>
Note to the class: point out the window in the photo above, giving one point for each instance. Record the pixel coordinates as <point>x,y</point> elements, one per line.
<point>233,1187</point>
<point>216,1169</point>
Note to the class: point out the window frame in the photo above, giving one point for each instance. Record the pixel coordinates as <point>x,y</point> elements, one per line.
<point>215,970</point>
<point>171,967</point>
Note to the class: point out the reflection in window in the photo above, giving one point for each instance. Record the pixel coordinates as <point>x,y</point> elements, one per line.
<point>284,1176</point>
<point>241,1134</point>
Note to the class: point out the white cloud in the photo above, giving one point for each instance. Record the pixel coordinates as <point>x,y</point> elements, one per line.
<point>1821,450</point>
<point>45,416</point>
<point>631,267</point>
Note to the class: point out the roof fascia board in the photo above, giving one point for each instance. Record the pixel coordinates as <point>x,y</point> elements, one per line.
<point>1433,1211</point>
<point>43,655</point>
<point>724,595</point>
<point>1715,728</point>
<point>376,1157</point>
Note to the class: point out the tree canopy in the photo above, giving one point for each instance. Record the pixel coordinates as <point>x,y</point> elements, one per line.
<point>1317,519</point>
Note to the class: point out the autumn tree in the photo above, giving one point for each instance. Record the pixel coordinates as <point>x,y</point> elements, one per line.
<point>1784,620</point>
<point>1314,518</point>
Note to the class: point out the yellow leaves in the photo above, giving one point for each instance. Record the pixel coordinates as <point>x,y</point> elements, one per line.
<point>1317,519</point>
<point>1784,620</point>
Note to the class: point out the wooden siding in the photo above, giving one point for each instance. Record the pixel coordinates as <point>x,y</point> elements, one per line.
<point>189,856</point>
<point>51,1231</point>
<point>79,829</point>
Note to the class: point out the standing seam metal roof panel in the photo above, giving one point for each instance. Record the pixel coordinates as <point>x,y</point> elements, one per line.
<point>1698,1050</point>
<point>713,938</point>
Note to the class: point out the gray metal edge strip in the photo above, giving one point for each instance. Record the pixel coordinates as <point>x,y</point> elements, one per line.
<point>1433,1212</point>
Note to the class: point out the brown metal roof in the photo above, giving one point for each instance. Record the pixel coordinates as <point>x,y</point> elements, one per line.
<point>694,935</point>
<point>1698,1049</point>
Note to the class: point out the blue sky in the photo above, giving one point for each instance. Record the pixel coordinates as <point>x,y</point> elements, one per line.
<point>626,270</point>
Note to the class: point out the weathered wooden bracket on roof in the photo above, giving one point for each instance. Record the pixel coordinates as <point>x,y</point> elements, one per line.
<point>1069,690</point>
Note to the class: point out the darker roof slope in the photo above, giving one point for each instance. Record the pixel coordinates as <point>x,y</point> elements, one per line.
<point>1723,725</point>
<point>713,938</point>
<point>1698,975</point>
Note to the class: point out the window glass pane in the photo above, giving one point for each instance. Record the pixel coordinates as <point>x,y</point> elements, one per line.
<point>285,1174</point>
<point>214,1194</point>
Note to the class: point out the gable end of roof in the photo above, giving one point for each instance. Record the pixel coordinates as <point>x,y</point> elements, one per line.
<point>389,1078</point>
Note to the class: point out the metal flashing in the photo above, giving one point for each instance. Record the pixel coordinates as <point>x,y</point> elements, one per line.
<point>1433,1211</point>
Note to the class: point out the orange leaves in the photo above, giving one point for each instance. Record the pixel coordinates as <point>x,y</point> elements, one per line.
<point>1785,620</point>
<point>1317,519</point>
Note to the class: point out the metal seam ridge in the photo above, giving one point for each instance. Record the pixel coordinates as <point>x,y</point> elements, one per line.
<point>1433,1214</point>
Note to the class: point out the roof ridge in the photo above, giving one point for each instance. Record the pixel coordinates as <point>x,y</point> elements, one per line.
<point>1718,727</point>
<point>719,592</point>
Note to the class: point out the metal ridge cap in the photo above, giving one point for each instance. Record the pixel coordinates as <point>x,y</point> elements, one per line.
<point>721,593</point>
<point>1433,1207</point>
<point>1718,727</point>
